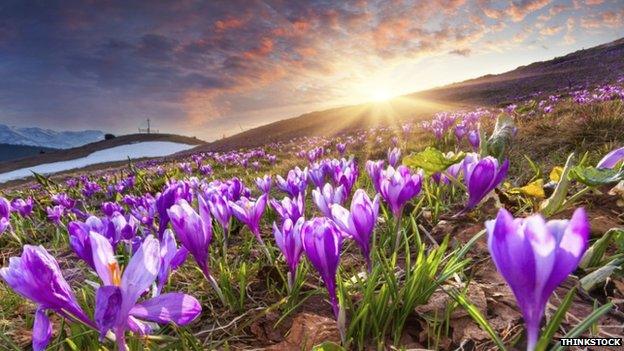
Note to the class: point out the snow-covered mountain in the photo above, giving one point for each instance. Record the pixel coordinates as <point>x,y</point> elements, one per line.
<point>46,137</point>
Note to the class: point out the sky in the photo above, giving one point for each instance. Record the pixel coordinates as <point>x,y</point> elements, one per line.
<point>213,68</point>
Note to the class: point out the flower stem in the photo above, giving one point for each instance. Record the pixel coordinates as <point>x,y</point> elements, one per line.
<point>397,232</point>
<point>215,286</point>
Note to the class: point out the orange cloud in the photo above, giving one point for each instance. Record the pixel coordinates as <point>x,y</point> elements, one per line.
<point>610,19</point>
<point>518,12</point>
<point>551,30</point>
<point>228,23</point>
<point>263,49</point>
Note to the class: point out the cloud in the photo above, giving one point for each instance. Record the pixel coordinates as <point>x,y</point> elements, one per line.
<point>610,19</point>
<point>551,30</point>
<point>461,52</point>
<point>570,26</point>
<point>516,11</point>
<point>194,64</point>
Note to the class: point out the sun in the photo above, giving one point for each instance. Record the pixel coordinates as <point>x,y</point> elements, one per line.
<point>380,94</point>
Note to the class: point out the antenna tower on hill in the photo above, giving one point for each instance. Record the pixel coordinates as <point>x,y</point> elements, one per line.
<point>149,129</point>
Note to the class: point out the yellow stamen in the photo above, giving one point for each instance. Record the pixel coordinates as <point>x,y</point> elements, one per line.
<point>115,271</point>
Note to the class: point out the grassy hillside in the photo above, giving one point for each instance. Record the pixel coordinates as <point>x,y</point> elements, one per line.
<point>580,69</point>
<point>584,68</point>
<point>10,152</point>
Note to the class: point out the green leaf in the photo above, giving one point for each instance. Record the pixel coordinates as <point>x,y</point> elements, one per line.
<point>328,346</point>
<point>553,204</point>
<point>44,181</point>
<point>535,168</point>
<point>586,323</point>
<point>432,160</point>
<point>555,321</point>
<point>591,176</point>
<point>619,240</point>
<point>594,254</point>
<point>601,274</point>
<point>500,140</point>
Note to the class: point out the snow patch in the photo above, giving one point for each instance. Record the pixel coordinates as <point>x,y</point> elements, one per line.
<point>117,153</point>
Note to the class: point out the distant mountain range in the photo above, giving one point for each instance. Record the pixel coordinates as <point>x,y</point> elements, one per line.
<point>47,138</point>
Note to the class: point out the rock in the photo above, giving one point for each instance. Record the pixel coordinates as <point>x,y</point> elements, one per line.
<point>308,330</point>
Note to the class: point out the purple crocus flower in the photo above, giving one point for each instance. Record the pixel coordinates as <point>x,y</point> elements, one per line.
<point>341,148</point>
<point>64,200</point>
<point>344,172</point>
<point>289,208</point>
<point>316,174</point>
<point>172,193</point>
<point>205,170</point>
<point>23,206</point>
<point>235,189</point>
<point>117,305</point>
<point>398,186</point>
<point>322,244</point>
<point>460,131</point>
<point>264,184</point>
<point>170,258</point>
<point>90,188</point>
<point>481,176</point>
<point>125,228</point>
<point>474,139</point>
<point>295,183</point>
<point>327,196</point>
<point>249,213</point>
<point>534,257</point>
<point>359,222</point>
<point>374,169</point>
<point>394,157</point>
<point>37,276</point>
<point>55,213</point>
<point>194,231</point>
<point>109,208</point>
<point>288,239</point>
<point>79,236</point>
<point>218,205</point>
<point>5,213</point>
<point>611,159</point>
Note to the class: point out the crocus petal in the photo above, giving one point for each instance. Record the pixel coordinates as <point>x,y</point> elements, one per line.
<point>612,158</point>
<point>480,181</point>
<point>139,327</point>
<point>206,219</point>
<point>141,272</point>
<point>178,308</point>
<point>572,243</point>
<point>189,228</point>
<point>342,217</point>
<point>179,258</point>
<point>79,241</point>
<point>168,250</point>
<point>103,258</point>
<point>108,302</point>
<point>42,330</point>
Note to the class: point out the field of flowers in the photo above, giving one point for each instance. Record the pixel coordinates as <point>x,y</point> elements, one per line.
<point>481,229</point>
